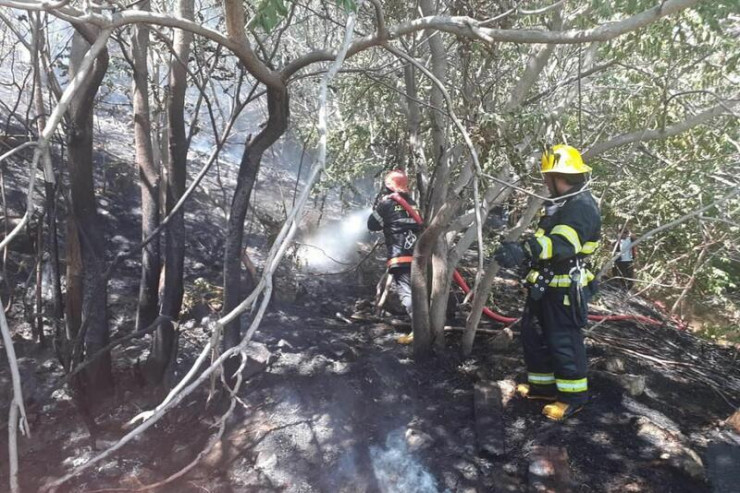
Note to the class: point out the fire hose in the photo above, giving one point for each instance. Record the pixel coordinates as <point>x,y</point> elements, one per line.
<point>458,278</point>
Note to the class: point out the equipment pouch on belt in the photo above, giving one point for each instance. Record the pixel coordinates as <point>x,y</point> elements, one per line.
<point>538,282</point>
<point>578,297</point>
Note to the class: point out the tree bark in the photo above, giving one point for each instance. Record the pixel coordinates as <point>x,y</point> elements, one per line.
<point>86,299</point>
<point>421,322</point>
<point>484,289</point>
<point>164,342</point>
<point>148,177</point>
<point>439,123</point>
<point>416,145</point>
<point>440,292</point>
<point>277,122</point>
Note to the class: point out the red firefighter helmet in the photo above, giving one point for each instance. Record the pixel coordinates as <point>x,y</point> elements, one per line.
<point>397,181</point>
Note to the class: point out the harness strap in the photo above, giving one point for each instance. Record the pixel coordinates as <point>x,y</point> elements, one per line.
<point>399,260</point>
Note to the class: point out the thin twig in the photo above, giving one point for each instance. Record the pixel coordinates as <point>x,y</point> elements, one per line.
<point>17,409</point>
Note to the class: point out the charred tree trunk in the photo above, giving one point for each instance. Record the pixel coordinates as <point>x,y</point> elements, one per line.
<point>87,299</point>
<point>165,339</point>
<point>148,178</point>
<point>277,105</point>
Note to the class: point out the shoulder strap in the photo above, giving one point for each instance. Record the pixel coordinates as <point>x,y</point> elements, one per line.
<point>403,203</point>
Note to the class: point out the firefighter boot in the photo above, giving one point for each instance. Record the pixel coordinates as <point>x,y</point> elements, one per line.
<point>560,411</point>
<point>405,339</point>
<point>536,392</point>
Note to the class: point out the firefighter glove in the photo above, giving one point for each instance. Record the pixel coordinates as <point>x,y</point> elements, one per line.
<point>510,254</point>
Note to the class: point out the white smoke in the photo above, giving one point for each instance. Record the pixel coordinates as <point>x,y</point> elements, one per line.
<point>333,247</point>
<point>397,470</point>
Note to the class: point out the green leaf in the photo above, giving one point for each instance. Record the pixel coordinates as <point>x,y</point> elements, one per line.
<point>270,13</point>
<point>348,5</point>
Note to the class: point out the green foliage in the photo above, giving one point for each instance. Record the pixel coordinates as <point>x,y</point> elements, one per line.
<point>661,75</point>
<point>721,333</point>
<point>271,12</point>
<point>348,5</point>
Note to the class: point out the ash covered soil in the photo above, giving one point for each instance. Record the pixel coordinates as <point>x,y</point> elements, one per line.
<point>339,406</point>
<point>343,407</point>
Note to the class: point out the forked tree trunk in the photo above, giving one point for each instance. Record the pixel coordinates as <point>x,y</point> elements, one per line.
<point>421,322</point>
<point>277,105</point>
<point>430,306</point>
<point>164,341</point>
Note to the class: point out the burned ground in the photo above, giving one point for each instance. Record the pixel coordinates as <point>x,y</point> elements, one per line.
<point>340,406</point>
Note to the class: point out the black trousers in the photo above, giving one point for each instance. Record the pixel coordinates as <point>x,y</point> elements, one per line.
<point>554,351</point>
<point>625,270</point>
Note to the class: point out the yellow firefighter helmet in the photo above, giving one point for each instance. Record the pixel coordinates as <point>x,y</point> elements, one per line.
<point>563,159</point>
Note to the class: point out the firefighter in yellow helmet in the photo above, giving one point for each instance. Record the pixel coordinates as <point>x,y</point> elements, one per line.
<point>559,285</point>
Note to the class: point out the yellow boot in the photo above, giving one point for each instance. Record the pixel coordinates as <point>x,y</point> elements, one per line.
<point>559,411</point>
<point>529,392</point>
<point>405,339</point>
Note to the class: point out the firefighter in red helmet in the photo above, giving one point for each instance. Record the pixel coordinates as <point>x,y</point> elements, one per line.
<point>400,231</point>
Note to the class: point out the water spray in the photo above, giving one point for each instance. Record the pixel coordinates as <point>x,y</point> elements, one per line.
<point>335,244</point>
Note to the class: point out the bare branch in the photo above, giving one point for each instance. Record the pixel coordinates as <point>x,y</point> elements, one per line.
<point>535,65</point>
<point>471,28</point>
<point>676,222</point>
<point>543,10</point>
<point>234,17</point>
<point>575,78</point>
<point>657,134</point>
<point>16,405</point>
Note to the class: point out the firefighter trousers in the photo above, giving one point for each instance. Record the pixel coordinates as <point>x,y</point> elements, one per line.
<point>402,279</point>
<point>554,351</point>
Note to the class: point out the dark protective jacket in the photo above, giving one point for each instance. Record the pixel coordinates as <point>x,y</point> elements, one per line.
<point>399,228</point>
<point>566,236</point>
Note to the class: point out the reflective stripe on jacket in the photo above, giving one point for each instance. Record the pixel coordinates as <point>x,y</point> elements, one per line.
<point>570,231</point>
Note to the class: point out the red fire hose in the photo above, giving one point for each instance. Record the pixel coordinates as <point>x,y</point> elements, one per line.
<point>457,277</point>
